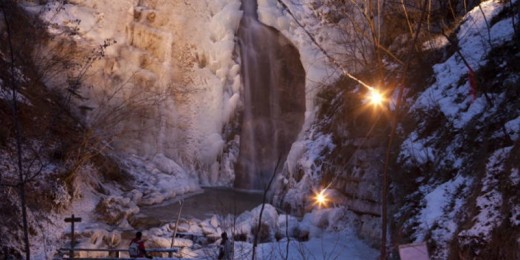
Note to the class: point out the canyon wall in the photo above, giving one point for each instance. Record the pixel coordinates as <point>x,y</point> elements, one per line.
<point>169,79</point>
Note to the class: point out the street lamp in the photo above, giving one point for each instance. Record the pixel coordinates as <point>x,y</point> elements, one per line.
<point>375,97</point>
<point>321,198</point>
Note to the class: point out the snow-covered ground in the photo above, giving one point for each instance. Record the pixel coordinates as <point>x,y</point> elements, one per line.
<point>443,203</point>
<point>337,245</point>
<point>454,100</point>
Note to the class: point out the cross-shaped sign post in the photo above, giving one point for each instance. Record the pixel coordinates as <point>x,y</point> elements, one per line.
<point>72,220</point>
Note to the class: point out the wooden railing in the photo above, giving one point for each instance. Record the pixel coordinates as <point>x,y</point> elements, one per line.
<point>114,253</point>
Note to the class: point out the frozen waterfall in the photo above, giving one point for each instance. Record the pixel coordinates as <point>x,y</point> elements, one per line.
<point>273,98</point>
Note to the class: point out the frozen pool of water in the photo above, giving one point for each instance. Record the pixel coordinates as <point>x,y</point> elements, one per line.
<point>209,201</point>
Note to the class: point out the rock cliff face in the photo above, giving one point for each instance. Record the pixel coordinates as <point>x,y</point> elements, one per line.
<point>343,151</point>
<point>453,162</point>
<point>170,76</point>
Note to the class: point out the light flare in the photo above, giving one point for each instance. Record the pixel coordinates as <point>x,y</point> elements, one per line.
<point>375,97</point>
<point>321,198</point>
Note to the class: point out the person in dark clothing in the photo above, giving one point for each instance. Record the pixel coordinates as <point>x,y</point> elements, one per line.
<point>137,248</point>
<point>226,248</point>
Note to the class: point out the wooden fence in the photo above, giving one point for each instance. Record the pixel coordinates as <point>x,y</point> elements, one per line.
<point>66,253</point>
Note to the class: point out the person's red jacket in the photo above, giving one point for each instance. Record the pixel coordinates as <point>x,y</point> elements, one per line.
<point>142,249</point>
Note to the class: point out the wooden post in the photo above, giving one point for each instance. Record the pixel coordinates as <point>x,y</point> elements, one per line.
<point>72,220</point>
<point>170,254</point>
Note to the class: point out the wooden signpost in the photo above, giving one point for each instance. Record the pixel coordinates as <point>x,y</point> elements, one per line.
<point>72,220</point>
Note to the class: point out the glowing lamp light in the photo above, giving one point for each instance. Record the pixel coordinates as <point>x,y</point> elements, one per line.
<point>375,97</point>
<point>320,198</point>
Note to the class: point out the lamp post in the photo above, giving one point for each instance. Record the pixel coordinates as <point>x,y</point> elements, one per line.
<point>378,99</point>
